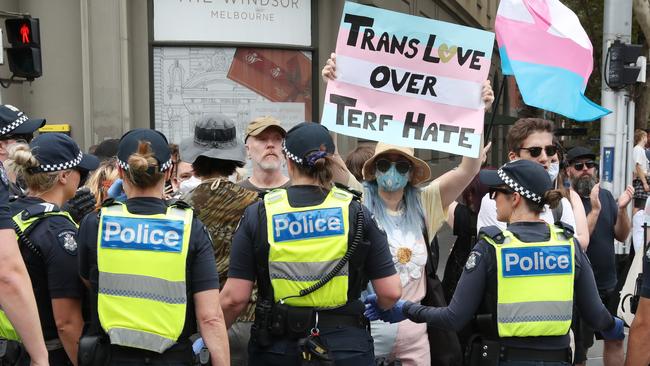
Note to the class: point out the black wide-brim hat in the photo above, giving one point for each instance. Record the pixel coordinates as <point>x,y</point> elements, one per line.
<point>215,137</point>
<point>525,177</point>
<point>58,151</point>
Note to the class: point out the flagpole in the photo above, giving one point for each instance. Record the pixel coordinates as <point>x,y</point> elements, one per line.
<point>495,105</point>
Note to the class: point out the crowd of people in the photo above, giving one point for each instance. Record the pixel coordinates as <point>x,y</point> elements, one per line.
<point>147,252</point>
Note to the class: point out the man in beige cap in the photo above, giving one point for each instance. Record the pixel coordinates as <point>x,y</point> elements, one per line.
<point>264,136</point>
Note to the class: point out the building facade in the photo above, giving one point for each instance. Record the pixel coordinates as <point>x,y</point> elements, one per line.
<point>113,65</point>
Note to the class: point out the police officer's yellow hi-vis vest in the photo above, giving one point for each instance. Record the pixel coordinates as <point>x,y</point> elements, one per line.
<point>534,285</point>
<point>305,244</point>
<point>141,260</point>
<point>7,330</point>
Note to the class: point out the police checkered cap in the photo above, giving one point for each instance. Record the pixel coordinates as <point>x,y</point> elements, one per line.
<point>518,187</point>
<point>306,138</point>
<point>129,145</point>
<point>57,151</point>
<point>525,177</point>
<point>13,121</point>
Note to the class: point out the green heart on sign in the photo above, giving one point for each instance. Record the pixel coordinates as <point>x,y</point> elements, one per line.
<point>446,53</point>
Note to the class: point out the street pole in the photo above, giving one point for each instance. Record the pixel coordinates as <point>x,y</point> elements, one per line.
<point>617,25</point>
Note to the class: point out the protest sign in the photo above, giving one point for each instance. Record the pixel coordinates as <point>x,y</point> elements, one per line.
<point>408,81</point>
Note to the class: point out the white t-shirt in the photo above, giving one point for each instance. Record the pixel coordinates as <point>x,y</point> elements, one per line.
<point>637,227</point>
<point>487,215</point>
<point>638,156</point>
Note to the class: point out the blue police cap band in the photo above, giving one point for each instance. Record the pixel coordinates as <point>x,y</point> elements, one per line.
<point>163,167</point>
<point>518,188</point>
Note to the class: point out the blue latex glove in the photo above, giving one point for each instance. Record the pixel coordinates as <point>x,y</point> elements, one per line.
<point>392,315</point>
<point>373,311</point>
<point>197,346</point>
<point>616,333</point>
<point>116,191</point>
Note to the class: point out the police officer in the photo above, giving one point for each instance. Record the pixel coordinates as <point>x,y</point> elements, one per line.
<point>312,248</point>
<point>51,167</point>
<point>518,284</point>
<point>150,267</point>
<point>16,295</point>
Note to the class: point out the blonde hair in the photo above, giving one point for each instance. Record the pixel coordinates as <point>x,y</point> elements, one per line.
<point>101,179</point>
<point>22,161</point>
<point>639,135</point>
<point>144,171</point>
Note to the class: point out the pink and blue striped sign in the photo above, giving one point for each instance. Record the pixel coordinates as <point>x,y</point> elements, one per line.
<point>543,45</point>
<point>408,81</point>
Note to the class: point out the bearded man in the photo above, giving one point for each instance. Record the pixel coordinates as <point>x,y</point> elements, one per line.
<point>264,136</point>
<point>607,220</point>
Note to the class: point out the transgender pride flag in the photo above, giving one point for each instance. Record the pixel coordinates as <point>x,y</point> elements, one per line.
<point>543,45</point>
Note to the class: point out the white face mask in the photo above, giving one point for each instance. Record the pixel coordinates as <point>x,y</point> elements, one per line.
<point>189,184</point>
<point>553,170</point>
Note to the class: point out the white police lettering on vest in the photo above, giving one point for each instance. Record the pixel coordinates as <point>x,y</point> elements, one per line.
<point>308,224</point>
<point>142,234</point>
<point>536,261</point>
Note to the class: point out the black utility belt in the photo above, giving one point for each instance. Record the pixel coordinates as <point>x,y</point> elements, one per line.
<point>530,354</point>
<point>490,353</point>
<point>298,321</point>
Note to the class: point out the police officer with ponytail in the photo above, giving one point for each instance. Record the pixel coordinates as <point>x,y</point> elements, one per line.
<point>311,248</point>
<point>151,269</point>
<point>518,285</point>
<point>51,167</point>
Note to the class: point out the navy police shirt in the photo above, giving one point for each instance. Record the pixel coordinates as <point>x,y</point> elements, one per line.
<point>201,270</point>
<point>56,274</point>
<point>481,267</point>
<point>378,261</point>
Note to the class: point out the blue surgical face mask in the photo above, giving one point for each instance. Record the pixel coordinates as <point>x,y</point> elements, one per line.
<point>553,170</point>
<point>391,180</point>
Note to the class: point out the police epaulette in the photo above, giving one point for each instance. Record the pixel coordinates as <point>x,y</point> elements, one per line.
<point>356,195</point>
<point>492,232</point>
<point>261,194</point>
<point>110,202</point>
<point>38,209</point>
<point>181,204</point>
<point>568,229</point>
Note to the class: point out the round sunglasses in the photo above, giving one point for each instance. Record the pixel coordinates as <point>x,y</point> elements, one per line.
<point>402,166</point>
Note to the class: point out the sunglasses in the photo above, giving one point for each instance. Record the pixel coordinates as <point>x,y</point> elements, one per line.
<point>589,164</point>
<point>537,151</point>
<point>402,166</point>
<point>494,190</point>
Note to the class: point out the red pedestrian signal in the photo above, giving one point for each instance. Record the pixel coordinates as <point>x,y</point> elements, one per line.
<point>24,56</point>
<point>24,32</point>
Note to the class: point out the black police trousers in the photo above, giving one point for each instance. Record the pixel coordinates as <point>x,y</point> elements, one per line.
<point>350,346</point>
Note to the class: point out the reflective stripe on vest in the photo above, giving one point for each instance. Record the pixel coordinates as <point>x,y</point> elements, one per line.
<point>305,244</point>
<point>534,285</point>
<point>141,260</point>
<point>7,330</point>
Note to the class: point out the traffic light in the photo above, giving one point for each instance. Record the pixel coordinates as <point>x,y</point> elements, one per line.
<point>24,56</point>
<point>623,69</point>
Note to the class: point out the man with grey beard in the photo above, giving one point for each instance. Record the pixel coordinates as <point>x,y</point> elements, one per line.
<point>607,220</point>
<point>264,136</point>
